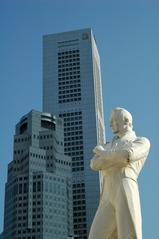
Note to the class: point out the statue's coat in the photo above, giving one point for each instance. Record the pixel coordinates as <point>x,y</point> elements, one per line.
<point>127,155</point>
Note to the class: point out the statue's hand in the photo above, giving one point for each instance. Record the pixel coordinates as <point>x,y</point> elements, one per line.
<point>98,150</point>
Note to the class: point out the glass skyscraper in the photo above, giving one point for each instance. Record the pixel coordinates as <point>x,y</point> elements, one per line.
<point>38,192</point>
<point>72,90</point>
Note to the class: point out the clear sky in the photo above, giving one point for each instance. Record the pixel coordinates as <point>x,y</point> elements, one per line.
<point>127,35</point>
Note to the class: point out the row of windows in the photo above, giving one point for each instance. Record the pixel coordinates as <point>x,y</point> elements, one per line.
<point>27,237</point>
<point>69,100</point>
<point>73,133</point>
<point>65,84</point>
<point>77,164</point>
<point>39,230</point>
<point>69,86</point>
<point>37,196</point>
<point>57,160</point>
<point>69,56</point>
<point>73,71</point>
<point>63,162</point>
<point>78,226</point>
<point>49,136</point>
<point>61,64</point>
<point>70,77</point>
<point>72,128</point>
<point>77,169</point>
<point>80,158</point>
<point>38,236</point>
<point>20,198</point>
<point>82,237</point>
<point>66,60</point>
<point>68,52</point>
<point>37,176</point>
<point>18,151</point>
<point>79,220</point>
<point>19,218</point>
<point>70,95</point>
<point>21,178</point>
<point>35,136</point>
<point>74,143</point>
<point>72,83</point>
<point>75,66</point>
<point>75,138</point>
<point>14,182</point>
<point>22,159</point>
<point>73,123</point>
<point>24,204</point>
<point>50,157</point>
<point>74,153</point>
<point>79,190</point>
<point>78,185</point>
<point>45,136</point>
<point>22,211</point>
<point>78,214</point>
<point>72,118</point>
<point>43,157</point>
<point>69,91</point>
<point>66,74</point>
<point>70,114</point>
<point>81,202</point>
<point>17,140</point>
<point>73,148</point>
<point>73,86</point>
<point>37,156</point>
<point>52,178</point>
<point>47,147</point>
<point>81,232</point>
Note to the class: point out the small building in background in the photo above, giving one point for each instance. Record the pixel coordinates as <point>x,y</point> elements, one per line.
<point>38,192</point>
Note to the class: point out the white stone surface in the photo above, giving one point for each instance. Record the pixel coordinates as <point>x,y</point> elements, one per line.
<point>120,162</point>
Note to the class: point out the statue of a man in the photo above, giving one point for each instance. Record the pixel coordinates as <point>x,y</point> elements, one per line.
<point>120,162</point>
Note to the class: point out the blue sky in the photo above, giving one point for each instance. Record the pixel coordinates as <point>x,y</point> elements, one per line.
<point>127,35</point>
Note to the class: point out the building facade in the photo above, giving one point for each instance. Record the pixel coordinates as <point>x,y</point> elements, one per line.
<point>72,90</point>
<point>38,192</point>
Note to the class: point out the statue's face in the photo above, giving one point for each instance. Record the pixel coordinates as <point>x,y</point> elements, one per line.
<point>116,123</point>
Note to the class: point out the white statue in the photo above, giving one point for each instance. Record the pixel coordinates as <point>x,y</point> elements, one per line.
<point>118,215</point>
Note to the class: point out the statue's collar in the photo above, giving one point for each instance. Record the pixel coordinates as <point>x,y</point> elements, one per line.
<point>129,135</point>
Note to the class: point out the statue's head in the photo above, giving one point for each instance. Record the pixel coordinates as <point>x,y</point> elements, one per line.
<point>120,121</point>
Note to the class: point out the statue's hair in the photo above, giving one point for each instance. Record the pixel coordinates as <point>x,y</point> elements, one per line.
<point>124,114</point>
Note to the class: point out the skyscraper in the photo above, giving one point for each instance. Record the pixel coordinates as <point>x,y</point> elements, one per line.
<point>72,90</point>
<point>38,194</point>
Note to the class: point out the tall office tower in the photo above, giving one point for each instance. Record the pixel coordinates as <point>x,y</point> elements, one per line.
<point>38,196</point>
<point>72,90</point>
